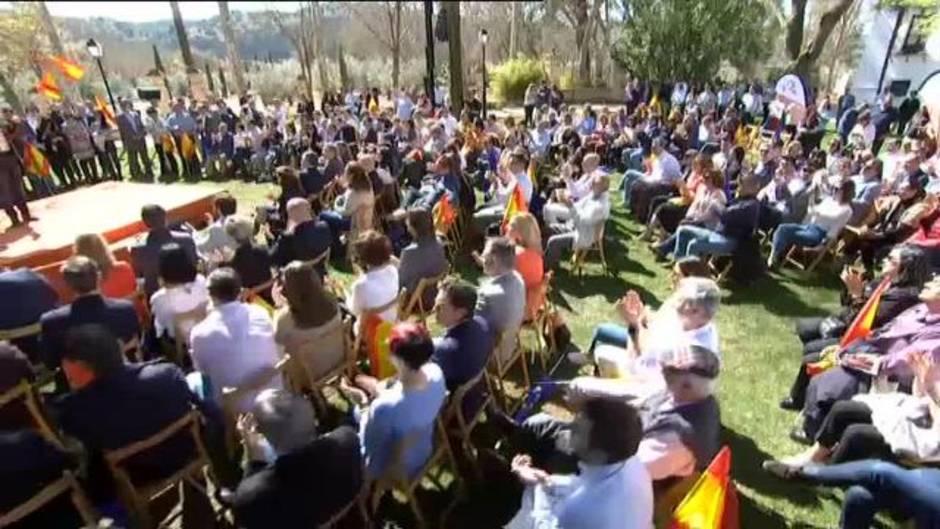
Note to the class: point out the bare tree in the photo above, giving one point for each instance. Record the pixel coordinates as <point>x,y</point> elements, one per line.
<point>455,53</point>
<point>392,36</point>
<point>48,26</point>
<point>513,30</point>
<point>581,15</point>
<point>183,38</point>
<point>802,54</point>
<point>304,31</point>
<point>231,47</point>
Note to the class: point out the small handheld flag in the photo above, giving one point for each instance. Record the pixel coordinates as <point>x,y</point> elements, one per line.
<point>444,214</point>
<point>860,328</point>
<point>49,88</point>
<point>35,161</point>
<point>713,501</point>
<point>69,69</point>
<point>515,206</point>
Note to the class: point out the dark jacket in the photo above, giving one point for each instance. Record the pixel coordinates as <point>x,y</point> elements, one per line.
<point>118,315</point>
<point>24,297</point>
<point>28,462</point>
<point>739,220</point>
<point>253,264</point>
<point>313,181</point>
<point>305,488</point>
<point>146,257</point>
<point>308,240</point>
<point>463,351</point>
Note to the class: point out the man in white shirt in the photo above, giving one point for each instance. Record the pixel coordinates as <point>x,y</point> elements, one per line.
<point>234,346</point>
<point>586,217</point>
<point>449,122</point>
<point>504,186</point>
<point>404,106</point>
<point>213,244</point>
<point>558,208</point>
<point>612,489</point>
<point>665,171</point>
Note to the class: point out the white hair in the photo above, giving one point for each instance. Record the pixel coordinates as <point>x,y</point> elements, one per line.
<point>699,292</point>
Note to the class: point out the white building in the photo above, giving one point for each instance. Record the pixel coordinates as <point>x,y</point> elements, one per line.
<point>909,64</point>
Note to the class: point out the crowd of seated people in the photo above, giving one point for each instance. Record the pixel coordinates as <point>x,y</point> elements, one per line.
<point>395,193</point>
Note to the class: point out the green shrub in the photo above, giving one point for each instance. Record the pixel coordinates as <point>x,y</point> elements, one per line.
<point>510,79</point>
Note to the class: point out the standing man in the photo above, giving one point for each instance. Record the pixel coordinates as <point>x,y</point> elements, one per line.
<point>12,149</point>
<point>909,107</point>
<point>183,127</point>
<point>134,140</point>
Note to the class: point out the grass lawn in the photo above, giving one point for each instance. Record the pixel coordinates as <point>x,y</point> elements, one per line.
<point>760,354</point>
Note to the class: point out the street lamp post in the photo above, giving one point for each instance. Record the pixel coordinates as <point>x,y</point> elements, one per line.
<point>483,37</point>
<point>94,49</point>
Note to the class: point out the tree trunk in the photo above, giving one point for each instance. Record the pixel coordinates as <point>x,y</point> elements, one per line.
<point>231,47</point>
<point>343,72</point>
<point>209,81</point>
<point>395,34</point>
<point>795,27</point>
<point>49,26</point>
<point>514,30</point>
<point>455,54</point>
<point>804,63</point>
<point>9,94</point>
<point>183,39</point>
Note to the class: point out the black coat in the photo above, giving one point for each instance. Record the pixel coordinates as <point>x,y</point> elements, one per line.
<point>118,315</point>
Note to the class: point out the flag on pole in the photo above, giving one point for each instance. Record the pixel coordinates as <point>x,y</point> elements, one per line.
<point>860,328</point>
<point>35,161</point>
<point>49,88</point>
<point>515,206</point>
<point>713,501</point>
<point>105,111</point>
<point>444,214</point>
<point>69,69</point>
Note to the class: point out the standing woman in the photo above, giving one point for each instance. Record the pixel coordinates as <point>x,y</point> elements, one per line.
<point>12,147</point>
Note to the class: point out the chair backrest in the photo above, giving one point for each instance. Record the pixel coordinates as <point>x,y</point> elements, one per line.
<point>322,258</point>
<point>416,300</point>
<point>256,382</point>
<point>455,406</point>
<point>67,484</point>
<point>183,324</point>
<point>117,458</point>
<point>25,392</point>
<point>25,331</point>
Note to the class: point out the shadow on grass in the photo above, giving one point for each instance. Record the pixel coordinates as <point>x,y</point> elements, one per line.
<point>774,296</point>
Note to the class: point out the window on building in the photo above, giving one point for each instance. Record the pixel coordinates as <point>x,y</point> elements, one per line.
<point>900,88</point>
<point>916,37</point>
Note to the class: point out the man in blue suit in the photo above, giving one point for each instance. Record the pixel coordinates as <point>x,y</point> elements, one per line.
<point>465,347</point>
<point>26,296</point>
<point>146,256</point>
<point>117,315</point>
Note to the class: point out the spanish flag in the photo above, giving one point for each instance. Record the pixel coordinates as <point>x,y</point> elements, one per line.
<point>713,501</point>
<point>49,88</point>
<point>105,111</point>
<point>169,147</point>
<point>35,161</point>
<point>444,214</point>
<point>69,69</point>
<point>515,206</point>
<point>187,147</point>
<point>376,333</point>
<point>860,328</point>
<point>532,171</point>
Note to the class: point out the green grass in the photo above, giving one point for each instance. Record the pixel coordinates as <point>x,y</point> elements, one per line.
<point>760,354</point>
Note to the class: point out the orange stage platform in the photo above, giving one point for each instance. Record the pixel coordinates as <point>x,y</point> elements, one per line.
<point>111,209</point>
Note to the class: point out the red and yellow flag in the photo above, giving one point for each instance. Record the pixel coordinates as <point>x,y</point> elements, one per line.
<point>860,328</point>
<point>515,206</point>
<point>169,147</point>
<point>49,88</point>
<point>69,69</point>
<point>105,111</point>
<point>376,333</point>
<point>35,161</point>
<point>713,501</point>
<point>444,214</point>
<point>187,147</point>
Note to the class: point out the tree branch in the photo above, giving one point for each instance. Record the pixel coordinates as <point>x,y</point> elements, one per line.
<point>826,24</point>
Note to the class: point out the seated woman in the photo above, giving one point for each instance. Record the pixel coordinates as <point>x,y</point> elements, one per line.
<point>252,261</point>
<point>823,223</point>
<point>403,408</point>
<point>182,289</point>
<point>445,179</point>
<point>354,209</point>
<point>423,258</point>
<point>117,277</point>
<point>377,284</point>
<point>308,324</point>
<point>705,210</point>
<point>887,426</point>
<point>524,232</point>
<point>668,211</point>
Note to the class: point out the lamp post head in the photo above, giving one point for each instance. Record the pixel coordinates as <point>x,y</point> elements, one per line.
<point>94,49</point>
<point>483,36</point>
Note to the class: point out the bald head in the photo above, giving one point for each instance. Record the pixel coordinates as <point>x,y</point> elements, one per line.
<point>298,210</point>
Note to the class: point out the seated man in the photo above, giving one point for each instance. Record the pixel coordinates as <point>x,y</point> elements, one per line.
<point>311,178</point>
<point>312,477</point>
<point>146,256</point>
<point>305,238</point>
<point>213,244</point>
<point>26,296</point>
<point>234,346</point>
<point>681,423</point>
<point>507,180</point>
<point>640,188</point>
<point>423,258</point>
<point>558,209</point>
<point>467,342</point>
<point>586,217</point>
<point>32,462</point>
<point>118,315</point>
<point>612,489</point>
<point>502,295</point>
<point>113,404</point>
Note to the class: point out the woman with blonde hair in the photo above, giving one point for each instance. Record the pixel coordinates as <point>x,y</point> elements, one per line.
<point>308,323</point>
<point>117,277</point>
<point>524,232</point>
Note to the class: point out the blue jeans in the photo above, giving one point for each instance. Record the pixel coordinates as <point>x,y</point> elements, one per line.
<point>799,234</point>
<point>632,158</point>
<point>877,485</point>
<point>611,334</point>
<point>337,222</point>
<point>626,185</point>
<point>698,241</point>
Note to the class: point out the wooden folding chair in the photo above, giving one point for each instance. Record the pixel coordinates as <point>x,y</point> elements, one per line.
<point>396,479</point>
<point>812,255</point>
<point>720,273</point>
<point>183,324</point>
<point>580,256</point>
<point>413,305</point>
<point>27,394</point>
<point>67,484</point>
<point>540,325</point>
<point>323,258</point>
<point>317,384</point>
<point>361,501</point>
<point>33,329</point>
<point>461,425</point>
<point>232,395</point>
<point>499,368</point>
<point>138,497</point>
